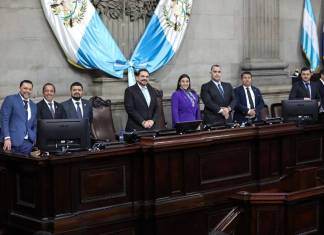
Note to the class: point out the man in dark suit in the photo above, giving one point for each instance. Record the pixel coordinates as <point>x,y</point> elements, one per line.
<point>76,107</point>
<point>320,84</point>
<point>218,98</point>
<point>304,88</point>
<point>48,108</point>
<point>249,100</point>
<point>141,104</point>
<point>19,122</point>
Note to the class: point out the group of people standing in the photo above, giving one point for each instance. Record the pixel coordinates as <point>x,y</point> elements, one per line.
<point>19,114</point>
<point>219,98</point>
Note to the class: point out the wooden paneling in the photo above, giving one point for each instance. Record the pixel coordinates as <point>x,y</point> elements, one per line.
<point>160,186</point>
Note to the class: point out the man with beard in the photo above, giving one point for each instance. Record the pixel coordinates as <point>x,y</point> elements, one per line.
<point>141,104</point>
<point>76,107</point>
<point>18,112</point>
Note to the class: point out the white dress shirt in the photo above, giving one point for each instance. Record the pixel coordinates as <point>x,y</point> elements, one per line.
<point>247,98</point>
<point>146,94</point>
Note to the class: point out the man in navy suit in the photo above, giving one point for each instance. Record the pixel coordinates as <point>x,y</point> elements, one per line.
<point>218,97</point>
<point>141,104</point>
<point>321,89</point>
<point>48,108</point>
<point>76,107</point>
<point>305,89</point>
<point>19,122</point>
<point>249,100</point>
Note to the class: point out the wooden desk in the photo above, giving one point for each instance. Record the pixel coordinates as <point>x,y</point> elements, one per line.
<point>160,186</point>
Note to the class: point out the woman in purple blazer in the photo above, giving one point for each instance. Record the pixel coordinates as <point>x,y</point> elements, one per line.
<point>184,102</point>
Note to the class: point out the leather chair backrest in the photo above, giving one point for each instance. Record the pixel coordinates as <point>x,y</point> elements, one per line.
<point>276,110</point>
<point>161,124</point>
<point>102,126</point>
<point>264,113</point>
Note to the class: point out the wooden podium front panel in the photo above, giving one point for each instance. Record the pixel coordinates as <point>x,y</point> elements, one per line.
<point>309,149</point>
<point>224,163</point>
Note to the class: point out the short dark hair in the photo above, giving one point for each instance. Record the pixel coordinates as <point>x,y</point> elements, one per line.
<point>49,84</point>
<point>76,84</point>
<point>179,79</point>
<point>26,81</point>
<point>305,69</point>
<point>246,73</point>
<point>214,65</point>
<point>142,70</point>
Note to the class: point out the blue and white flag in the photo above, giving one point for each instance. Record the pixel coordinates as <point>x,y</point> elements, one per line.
<point>161,39</point>
<point>309,38</point>
<point>82,35</point>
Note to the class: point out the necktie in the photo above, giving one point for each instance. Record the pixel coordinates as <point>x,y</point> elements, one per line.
<point>220,88</point>
<point>308,92</point>
<point>79,113</point>
<point>26,116</point>
<point>26,108</point>
<point>51,109</point>
<point>250,98</point>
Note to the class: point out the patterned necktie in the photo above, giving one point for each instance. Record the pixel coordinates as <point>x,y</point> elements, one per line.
<point>51,109</point>
<point>79,113</point>
<point>308,92</point>
<point>250,98</point>
<point>220,88</point>
<point>26,108</point>
<point>26,116</point>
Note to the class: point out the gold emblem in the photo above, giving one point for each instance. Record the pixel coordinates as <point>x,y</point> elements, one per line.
<point>177,14</point>
<point>71,12</point>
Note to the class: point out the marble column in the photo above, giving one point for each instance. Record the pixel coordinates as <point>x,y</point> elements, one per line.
<point>261,47</point>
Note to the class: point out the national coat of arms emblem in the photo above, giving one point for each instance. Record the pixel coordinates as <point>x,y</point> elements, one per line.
<point>71,12</point>
<point>177,13</point>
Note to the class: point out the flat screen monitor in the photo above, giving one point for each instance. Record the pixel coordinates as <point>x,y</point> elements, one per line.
<point>300,110</point>
<point>183,127</point>
<point>59,135</point>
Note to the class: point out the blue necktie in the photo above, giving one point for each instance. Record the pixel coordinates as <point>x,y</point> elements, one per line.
<point>220,88</point>
<point>26,115</point>
<point>79,113</point>
<point>308,91</point>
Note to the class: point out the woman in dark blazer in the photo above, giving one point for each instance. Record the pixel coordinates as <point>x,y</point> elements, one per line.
<point>184,102</point>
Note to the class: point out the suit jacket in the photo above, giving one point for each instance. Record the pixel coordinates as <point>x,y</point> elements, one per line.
<point>13,121</point>
<point>241,108</point>
<point>43,111</point>
<point>182,109</point>
<point>71,112</point>
<point>137,109</point>
<point>321,91</point>
<point>298,91</point>
<point>214,100</point>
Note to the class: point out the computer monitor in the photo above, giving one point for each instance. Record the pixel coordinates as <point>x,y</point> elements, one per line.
<point>183,127</point>
<point>300,110</point>
<point>60,135</point>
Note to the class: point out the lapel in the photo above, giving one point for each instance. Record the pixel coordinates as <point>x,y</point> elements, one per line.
<point>302,85</point>
<point>20,105</point>
<point>216,91</point>
<point>72,109</point>
<point>85,108</point>
<point>243,96</point>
